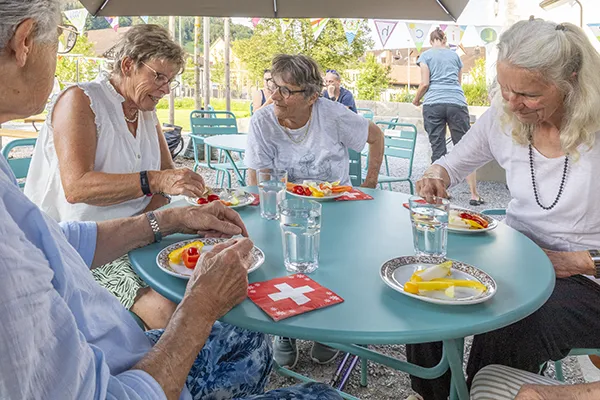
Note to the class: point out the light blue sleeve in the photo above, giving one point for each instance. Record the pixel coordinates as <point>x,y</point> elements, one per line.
<point>135,384</point>
<point>459,61</point>
<point>82,236</point>
<point>424,58</point>
<point>353,130</point>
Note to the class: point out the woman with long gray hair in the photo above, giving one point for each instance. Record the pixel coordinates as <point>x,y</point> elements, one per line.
<point>542,128</point>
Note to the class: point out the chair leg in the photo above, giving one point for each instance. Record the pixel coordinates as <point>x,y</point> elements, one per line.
<point>363,372</point>
<point>559,371</point>
<point>412,189</point>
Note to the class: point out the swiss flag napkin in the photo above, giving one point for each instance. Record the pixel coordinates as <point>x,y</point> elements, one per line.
<point>291,295</point>
<point>256,200</point>
<point>354,194</point>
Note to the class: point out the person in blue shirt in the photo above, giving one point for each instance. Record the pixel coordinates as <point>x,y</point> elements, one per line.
<point>334,91</point>
<point>444,101</point>
<point>62,336</point>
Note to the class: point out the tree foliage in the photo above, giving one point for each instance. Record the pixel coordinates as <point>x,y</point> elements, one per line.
<point>66,67</point>
<point>372,79</point>
<point>330,50</point>
<point>476,92</point>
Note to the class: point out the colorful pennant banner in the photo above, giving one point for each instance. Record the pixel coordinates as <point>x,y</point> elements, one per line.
<point>384,29</point>
<point>350,26</point>
<point>77,18</point>
<point>488,34</point>
<point>285,24</point>
<point>596,29</point>
<point>145,18</point>
<point>418,32</point>
<point>454,34</point>
<point>317,25</point>
<point>255,21</point>
<point>114,22</point>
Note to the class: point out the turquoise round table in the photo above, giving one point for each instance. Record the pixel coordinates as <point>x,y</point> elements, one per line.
<point>357,237</point>
<point>229,143</point>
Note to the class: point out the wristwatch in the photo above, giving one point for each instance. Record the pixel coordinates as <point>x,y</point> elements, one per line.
<point>595,255</point>
<point>154,225</point>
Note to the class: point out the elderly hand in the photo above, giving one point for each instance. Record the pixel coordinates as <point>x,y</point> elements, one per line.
<point>369,184</point>
<point>416,102</point>
<point>331,90</point>
<point>220,279</point>
<point>569,263</point>
<point>177,181</point>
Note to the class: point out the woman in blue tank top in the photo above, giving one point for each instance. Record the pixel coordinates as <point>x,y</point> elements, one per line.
<point>444,100</point>
<point>262,97</point>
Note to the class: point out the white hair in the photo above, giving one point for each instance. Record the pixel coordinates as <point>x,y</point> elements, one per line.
<point>563,55</point>
<point>45,13</point>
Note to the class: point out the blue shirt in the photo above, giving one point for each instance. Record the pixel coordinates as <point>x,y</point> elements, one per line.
<point>345,98</point>
<point>62,336</point>
<point>444,67</point>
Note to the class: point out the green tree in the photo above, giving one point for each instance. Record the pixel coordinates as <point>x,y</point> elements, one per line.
<point>372,79</point>
<point>330,50</point>
<point>217,72</point>
<point>66,66</point>
<point>476,92</point>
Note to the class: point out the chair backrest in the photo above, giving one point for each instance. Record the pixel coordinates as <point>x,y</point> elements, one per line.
<point>210,108</point>
<point>207,123</point>
<point>402,144</point>
<point>355,170</point>
<point>387,122</point>
<point>365,112</point>
<point>19,166</point>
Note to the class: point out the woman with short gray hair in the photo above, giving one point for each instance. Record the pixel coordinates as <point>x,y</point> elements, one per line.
<point>543,129</point>
<point>101,154</point>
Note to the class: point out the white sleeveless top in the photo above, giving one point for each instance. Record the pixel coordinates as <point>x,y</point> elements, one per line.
<point>117,152</point>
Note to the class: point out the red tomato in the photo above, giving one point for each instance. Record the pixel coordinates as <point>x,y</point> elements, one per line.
<point>202,200</point>
<point>192,251</point>
<point>190,260</point>
<point>299,190</point>
<point>213,197</point>
<point>307,192</point>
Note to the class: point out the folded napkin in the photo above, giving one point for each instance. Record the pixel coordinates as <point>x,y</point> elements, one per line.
<point>354,194</point>
<point>291,295</point>
<point>256,199</point>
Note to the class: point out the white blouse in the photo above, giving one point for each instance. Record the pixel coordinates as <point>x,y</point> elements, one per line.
<point>574,223</point>
<point>117,152</point>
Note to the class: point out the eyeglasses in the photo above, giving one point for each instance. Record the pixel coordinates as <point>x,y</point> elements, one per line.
<point>161,79</point>
<point>284,90</point>
<point>333,71</point>
<point>67,38</point>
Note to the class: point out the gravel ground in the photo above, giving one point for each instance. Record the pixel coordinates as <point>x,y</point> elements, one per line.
<point>386,383</point>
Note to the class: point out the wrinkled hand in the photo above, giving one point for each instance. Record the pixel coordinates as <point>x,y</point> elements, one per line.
<point>331,90</point>
<point>220,279</point>
<point>416,102</point>
<point>179,181</point>
<point>428,188</point>
<point>210,220</point>
<point>369,184</point>
<point>569,263</point>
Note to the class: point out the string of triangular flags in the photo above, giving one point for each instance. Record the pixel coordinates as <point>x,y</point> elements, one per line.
<point>79,16</point>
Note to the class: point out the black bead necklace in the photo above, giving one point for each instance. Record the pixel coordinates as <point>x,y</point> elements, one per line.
<point>562,181</point>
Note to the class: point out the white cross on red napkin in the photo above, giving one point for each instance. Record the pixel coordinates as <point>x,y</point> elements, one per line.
<point>354,194</point>
<point>291,295</point>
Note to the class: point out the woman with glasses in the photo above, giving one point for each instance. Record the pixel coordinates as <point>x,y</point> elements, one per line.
<point>262,97</point>
<point>309,137</point>
<point>101,154</point>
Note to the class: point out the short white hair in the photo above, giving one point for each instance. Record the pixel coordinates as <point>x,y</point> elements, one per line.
<point>564,56</point>
<point>45,13</point>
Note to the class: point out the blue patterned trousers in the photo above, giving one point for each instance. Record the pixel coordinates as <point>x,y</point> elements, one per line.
<point>235,364</point>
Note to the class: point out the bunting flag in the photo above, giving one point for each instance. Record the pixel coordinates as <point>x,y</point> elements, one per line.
<point>255,21</point>
<point>145,18</point>
<point>77,18</point>
<point>285,24</point>
<point>317,25</point>
<point>454,34</point>
<point>384,29</point>
<point>488,34</point>
<point>350,26</point>
<point>114,22</point>
<point>596,29</point>
<point>418,32</point>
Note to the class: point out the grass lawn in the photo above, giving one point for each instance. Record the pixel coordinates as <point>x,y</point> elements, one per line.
<point>241,109</point>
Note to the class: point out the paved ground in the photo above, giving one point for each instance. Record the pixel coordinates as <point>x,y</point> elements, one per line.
<point>385,383</point>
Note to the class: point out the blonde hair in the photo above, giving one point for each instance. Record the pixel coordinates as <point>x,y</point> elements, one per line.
<point>142,43</point>
<point>564,56</point>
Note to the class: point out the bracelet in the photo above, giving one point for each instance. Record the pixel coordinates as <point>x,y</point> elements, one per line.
<point>154,225</point>
<point>166,196</point>
<point>145,183</point>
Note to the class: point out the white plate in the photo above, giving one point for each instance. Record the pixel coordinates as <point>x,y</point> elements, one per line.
<point>492,223</point>
<point>397,271</point>
<point>245,200</point>
<point>181,271</point>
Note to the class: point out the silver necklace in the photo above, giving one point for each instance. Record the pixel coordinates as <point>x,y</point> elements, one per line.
<point>289,135</point>
<point>134,119</point>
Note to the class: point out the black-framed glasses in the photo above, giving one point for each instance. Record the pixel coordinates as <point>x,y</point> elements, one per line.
<point>67,38</point>
<point>161,79</point>
<point>284,90</point>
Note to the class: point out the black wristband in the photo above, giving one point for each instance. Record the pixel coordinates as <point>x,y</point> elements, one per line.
<point>145,183</point>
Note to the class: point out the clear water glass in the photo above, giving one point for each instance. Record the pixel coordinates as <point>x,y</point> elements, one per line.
<point>271,189</point>
<point>300,222</point>
<point>429,226</point>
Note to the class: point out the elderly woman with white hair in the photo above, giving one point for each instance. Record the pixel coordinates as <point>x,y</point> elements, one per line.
<point>101,154</point>
<point>543,129</point>
<point>64,337</point>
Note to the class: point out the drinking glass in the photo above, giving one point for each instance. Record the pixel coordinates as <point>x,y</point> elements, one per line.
<point>429,226</point>
<point>271,189</point>
<point>300,222</point>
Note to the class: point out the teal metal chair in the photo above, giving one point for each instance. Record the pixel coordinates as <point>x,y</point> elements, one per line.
<point>251,109</point>
<point>574,352</point>
<point>209,123</point>
<point>366,112</point>
<point>19,166</point>
<point>355,170</point>
<point>399,146</point>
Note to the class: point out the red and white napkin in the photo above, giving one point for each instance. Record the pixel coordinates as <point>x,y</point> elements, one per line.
<point>291,295</point>
<point>354,194</point>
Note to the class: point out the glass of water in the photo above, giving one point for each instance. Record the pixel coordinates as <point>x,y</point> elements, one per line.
<point>429,226</point>
<point>271,189</point>
<point>300,222</point>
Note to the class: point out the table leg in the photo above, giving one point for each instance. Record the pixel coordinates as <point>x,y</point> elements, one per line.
<point>454,352</point>
<point>238,174</point>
